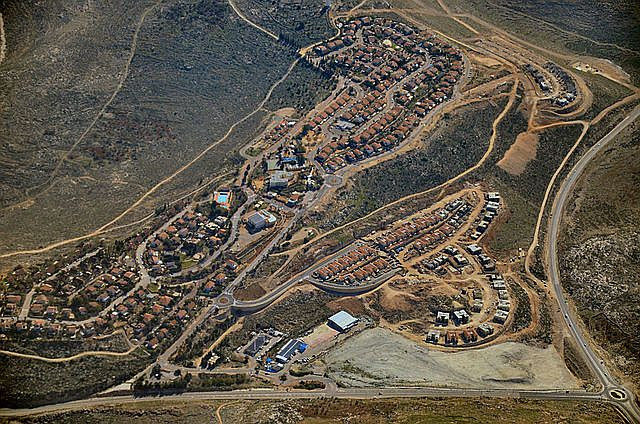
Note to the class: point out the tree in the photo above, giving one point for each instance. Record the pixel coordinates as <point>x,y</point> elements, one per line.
<point>155,371</point>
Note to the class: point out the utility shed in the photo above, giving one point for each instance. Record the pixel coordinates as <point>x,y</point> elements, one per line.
<point>342,321</point>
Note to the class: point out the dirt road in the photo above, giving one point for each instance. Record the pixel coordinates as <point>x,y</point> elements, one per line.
<point>153,189</point>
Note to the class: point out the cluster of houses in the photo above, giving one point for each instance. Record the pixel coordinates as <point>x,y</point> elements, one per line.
<point>390,56</point>
<point>453,338</point>
<point>355,267</point>
<point>288,175</point>
<point>455,213</point>
<point>504,304</point>
<point>461,317</point>
<point>386,133</point>
<point>396,239</point>
<point>538,77</point>
<point>340,103</point>
<point>57,282</point>
<point>485,261</point>
<point>458,317</point>
<point>185,239</point>
<point>10,304</point>
<point>146,317</point>
<point>569,89</point>
<point>449,260</point>
<point>40,327</point>
<point>491,207</point>
<point>155,318</point>
<point>89,300</point>
<point>362,111</point>
<point>423,232</point>
<point>216,283</point>
<point>468,335</point>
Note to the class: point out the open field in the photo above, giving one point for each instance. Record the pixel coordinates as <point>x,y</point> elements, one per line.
<point>606,29</point>
<point>325,411</point>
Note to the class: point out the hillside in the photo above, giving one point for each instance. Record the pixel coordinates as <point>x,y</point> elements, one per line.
<point>601,248</point>
<point>97,113</point>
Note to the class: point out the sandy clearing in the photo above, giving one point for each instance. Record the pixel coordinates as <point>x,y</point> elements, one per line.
<point>523,150</point>
<point>285,112</point>
<point>604,67</point>
<point>302,233</point>
<point>381,357</point>
<point>394,300</point>
<point>3,40</point>
<point>483,60</point>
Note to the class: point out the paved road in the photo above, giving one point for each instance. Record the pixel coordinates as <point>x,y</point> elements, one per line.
<point>251,306</point>
<point>628,405</point>
<point>331,391</point>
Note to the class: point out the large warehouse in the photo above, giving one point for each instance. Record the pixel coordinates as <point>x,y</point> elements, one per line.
<point>342,321</point>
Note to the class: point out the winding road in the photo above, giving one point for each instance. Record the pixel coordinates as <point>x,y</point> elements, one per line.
<point>611,388</point>
<point>611,392</point>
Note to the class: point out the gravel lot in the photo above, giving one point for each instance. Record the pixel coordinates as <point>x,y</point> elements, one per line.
<point>381,357</point>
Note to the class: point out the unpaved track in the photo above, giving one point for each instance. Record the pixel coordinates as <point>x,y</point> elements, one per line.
<point>123,77</point>
<point>455,18</point>
<point>575,34</point>
<point>586,125</point>
<point>536,232</point>
<point>250,22</point>
<point>161,183</point>
<point>3,40</point>
<point>219,410</point>
<point>69,358</point>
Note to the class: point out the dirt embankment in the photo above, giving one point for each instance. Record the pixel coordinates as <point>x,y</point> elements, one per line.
<point>381,357</point>
<point>524,149</point>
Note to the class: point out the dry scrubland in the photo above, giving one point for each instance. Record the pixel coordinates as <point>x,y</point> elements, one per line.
<point>30,382</point>
<point>186,85</point>
<point>601,251</point>
<point>606,29</point>
<point>300,22</point>
<point>327,411</point>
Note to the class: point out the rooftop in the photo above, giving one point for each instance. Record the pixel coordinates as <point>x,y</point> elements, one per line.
<point>343,320</point>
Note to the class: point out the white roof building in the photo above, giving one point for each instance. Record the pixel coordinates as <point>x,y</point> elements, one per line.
<point>342,321</point>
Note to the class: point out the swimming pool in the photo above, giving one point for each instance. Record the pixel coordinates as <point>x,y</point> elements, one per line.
<point>222,197</point>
